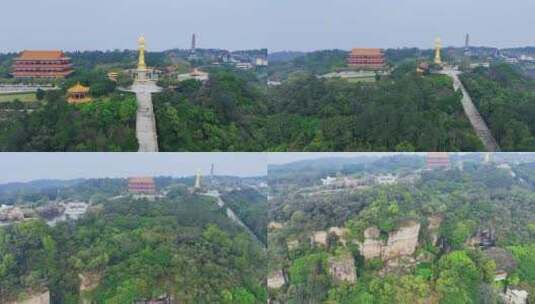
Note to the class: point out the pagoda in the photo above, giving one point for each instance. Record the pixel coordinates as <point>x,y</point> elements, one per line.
<point>142,185</point>
<point>78,94</point>
<point>436,160</point>
<point>366,59</point>
<point>41,64</point>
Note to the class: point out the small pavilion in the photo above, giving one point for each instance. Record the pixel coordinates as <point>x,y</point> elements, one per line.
<point>78,94</point>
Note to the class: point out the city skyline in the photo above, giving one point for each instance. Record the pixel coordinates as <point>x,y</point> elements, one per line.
<point>274,24</point>
<point>25,167</point>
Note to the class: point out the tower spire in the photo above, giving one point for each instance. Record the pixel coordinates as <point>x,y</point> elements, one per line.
<point>198,180</point>
<point>141,66</point>
<point>438,49</point>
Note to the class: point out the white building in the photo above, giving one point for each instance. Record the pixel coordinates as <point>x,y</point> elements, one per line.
<point>75,210</point>
<point>387,179</point>
<point>244,65</point>
<point>273,83</point>
<point>195,74</point>
<point>261,62</point>
<point>328,180</point>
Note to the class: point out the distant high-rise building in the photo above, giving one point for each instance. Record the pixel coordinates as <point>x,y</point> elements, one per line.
<point>366,59</point>
<point>193,43</point>
<point>212,171</point>
<point>438,160</point>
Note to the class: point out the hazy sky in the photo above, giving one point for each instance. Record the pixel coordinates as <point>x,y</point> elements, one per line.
<point>285,158</point>
<point>30,166</point>
<point>274,24</point>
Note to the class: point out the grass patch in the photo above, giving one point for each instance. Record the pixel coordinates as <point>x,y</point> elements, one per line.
<point>24,97</point>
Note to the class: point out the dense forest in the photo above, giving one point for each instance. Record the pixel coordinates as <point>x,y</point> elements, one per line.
<point>183,246</point>
<point>506,100</point>
<point>230,112</point>
<point>236,111</point>
<point>106,124</point>
<point>444,268</point>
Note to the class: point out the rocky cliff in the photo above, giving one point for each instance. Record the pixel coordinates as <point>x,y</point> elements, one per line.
<point>342,268</point>
<point>400,242</point>
<point>37,298</point>
<point>276,280</point>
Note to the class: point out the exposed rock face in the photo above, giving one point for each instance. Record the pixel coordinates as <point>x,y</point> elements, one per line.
<point>372,246</point>
<point>276,280</point>
<point>12,214</point>
<point>372,233</point>
<point>434,225</point>
<point>292,244</point>
<point>401,242</point>
<point>340,233</point>
<point>275,226</point>
<point>88,282</point>
<point>342,268</point>
<point>319,238</point>
<point>515,296</point>
<point>42,298</point>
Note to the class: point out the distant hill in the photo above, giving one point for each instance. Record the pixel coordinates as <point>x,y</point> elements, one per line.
<point>284,56</point>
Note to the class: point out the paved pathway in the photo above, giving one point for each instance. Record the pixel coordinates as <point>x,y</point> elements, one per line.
<point>146,122</point>
<point>232,215</point>
<point>479,125</point>
<point>21,88</point>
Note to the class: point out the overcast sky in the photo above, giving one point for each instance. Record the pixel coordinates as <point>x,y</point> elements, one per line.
<point>15,167</point>
<point>274,24</point>
<point>285,158</point>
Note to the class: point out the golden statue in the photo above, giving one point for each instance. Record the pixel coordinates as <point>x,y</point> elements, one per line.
<point>141,66</point>
<point>438,48</point>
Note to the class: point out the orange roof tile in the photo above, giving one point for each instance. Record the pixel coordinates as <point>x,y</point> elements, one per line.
<point>41,55</point>
<point>136,180</point>
<point>366,52</point>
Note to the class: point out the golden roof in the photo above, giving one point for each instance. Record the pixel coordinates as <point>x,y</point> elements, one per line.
<point>366,52</point>
<point>41,55</point>
<point>78,88</point>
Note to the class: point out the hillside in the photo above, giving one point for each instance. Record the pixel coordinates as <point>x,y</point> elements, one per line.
<point>427,237</point>
<point>183,247</point>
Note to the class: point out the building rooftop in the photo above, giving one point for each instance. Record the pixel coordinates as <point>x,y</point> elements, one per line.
<point>78,88</point>
<point>41,55</point>
<point>141,180</point>
<point>366,52</point>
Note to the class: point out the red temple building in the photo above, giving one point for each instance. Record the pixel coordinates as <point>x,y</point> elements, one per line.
<point>41,64</point>
<point>141,185</point>
<point>438,160</point>
<point>366,59</point>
